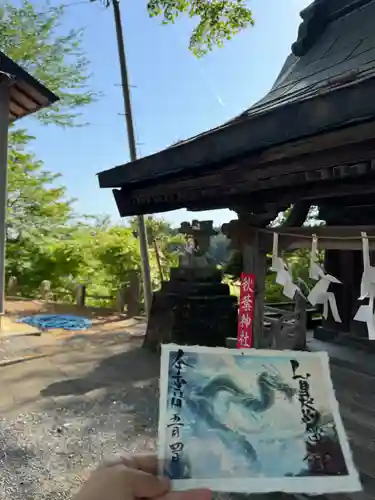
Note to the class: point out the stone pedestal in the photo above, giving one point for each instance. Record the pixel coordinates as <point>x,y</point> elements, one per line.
<point>193,308</point>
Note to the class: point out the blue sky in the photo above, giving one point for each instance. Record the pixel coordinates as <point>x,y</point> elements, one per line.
<point>176,95</point>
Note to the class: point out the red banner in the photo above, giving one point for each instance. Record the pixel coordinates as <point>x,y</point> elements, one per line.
<point>246,312</point>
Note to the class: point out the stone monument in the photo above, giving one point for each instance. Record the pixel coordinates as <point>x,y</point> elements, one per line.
<point>194,307</point>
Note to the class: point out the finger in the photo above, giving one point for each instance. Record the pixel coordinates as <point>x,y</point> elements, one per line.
<point>197,494</point>
<point>147,463</point>
<point>144,485</point>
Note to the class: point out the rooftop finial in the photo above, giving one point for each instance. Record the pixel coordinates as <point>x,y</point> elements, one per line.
<point>317,16</point>
<point>314,22</point>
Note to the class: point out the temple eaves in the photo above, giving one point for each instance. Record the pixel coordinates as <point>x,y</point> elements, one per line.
<point>325,89</point>
<point>27,95</point>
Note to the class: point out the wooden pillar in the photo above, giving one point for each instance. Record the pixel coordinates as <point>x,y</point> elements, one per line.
<point>339,263</point>
<point>254,262</point>
<point>81,295</point>
<point>301,322</point>
<point>347,266</point>
<point>357,328</point>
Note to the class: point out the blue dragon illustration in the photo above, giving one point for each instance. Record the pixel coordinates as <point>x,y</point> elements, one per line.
<point>201,402</point>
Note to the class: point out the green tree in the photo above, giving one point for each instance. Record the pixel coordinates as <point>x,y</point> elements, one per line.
<point>118,252</point>
<point>219,249</point>
<point>44,239</point>
<point>165,240</point>
<point>32,36</point>
<point>218,20</point>
<point>39,219</point>
<point>156,227</point>
<point>35,207</point>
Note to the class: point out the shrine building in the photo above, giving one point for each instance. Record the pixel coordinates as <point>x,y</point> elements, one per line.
<point>309,142</point>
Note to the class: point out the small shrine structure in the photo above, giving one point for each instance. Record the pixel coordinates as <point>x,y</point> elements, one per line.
<point>309,142</point>
<point>194,307</point>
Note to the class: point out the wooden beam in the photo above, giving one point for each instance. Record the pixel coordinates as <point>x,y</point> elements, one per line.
<point>322,142</point>
<point>281,124</point>
<point>292,238</point>
<point>329,238</point>
<point>243,176</point>
<point>225,194</point>
<point>298,214</point>
<point>328,231</point>
<point>129,204</point>
<point>312,192</point>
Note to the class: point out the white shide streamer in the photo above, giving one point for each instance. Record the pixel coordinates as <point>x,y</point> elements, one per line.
<point>365,313</point>
<point>320,294</point>
<point>283,274</point>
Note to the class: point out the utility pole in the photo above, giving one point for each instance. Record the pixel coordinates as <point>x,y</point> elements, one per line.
<point>142,234</point>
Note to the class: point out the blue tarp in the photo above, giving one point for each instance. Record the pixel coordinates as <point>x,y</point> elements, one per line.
<point>51,321</point>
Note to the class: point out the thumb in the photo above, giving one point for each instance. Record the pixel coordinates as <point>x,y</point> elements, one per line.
<point>144,485</point>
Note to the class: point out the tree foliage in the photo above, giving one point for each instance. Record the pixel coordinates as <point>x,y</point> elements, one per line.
<point>32,37</point>
<point>33,209</point>
<point>298,260</point>
<point>47,240</point>
<point>218,20</point>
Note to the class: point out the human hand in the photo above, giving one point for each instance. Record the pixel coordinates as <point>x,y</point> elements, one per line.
<point>131,478</point>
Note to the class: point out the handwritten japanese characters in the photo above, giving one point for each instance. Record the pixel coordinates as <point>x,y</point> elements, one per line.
<point>322,456</point>
<point>176,401</point>
<point>310,415</point>
<point>251,420</point>
<point>246,311</point>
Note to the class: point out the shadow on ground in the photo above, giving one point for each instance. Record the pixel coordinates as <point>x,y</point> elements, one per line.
<point>119,369</point>
<point>120,394</point>
<point>76,423</point>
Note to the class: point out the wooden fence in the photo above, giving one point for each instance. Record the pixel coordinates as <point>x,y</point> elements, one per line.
<point>127,297</point>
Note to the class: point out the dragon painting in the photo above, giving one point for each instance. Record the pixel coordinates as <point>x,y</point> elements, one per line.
<point>201,402</point>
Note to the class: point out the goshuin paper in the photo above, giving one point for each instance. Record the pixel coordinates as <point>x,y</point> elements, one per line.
<point>251,421</point>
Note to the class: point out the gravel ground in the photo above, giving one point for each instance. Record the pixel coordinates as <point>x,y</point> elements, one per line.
<point>45,454</point>
<point>77,423</point>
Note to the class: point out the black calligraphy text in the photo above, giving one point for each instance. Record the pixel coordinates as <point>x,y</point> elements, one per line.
<point>176,402</point>
<point>310,417</point>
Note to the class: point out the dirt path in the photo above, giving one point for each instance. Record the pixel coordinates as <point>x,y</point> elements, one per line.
<point>90,396</point>
<point>102,319</point>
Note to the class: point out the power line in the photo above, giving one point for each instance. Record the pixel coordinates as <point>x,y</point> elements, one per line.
<point>74,4</point>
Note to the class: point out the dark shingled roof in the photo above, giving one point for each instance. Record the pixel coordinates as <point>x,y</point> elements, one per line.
<point>27,95</point>
<point>344,53</point>
<point>335,50</point>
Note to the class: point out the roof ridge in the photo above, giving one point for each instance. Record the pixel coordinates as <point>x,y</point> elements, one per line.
<point>317,16</point>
